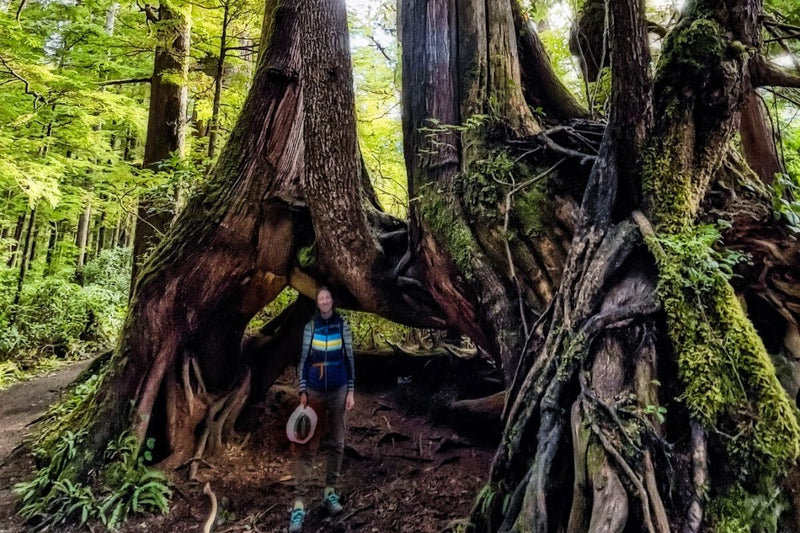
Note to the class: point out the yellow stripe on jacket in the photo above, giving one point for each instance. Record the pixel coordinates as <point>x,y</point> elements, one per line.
<point>321,345</point>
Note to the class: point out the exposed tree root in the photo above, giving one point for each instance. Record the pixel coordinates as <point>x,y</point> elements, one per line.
<point>212,513</point>
<point>694,514</point>
<point>219,421</point>
<point>188,392</point>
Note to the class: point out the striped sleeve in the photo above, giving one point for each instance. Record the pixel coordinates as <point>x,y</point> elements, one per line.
<point>302,368</point>
<point>350,365</point>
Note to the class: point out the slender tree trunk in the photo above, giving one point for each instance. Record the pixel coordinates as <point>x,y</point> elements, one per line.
<point>83,235</point>
<point>166,126</point>
<point>213,126</point>
<point>758,141</point>
<point>101,231</point>
<point>17,237</point>
<point>23,265</point>
<point>129,146</point>
<point>51,247</point>
<point>115,238</point>
<point>126,228</point>
<point>33,247</point>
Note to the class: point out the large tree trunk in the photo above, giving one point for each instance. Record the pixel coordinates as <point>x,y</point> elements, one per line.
<point>599,348</point>
<point>166,125</point>
<point>758,140</point>
<point>239,241</point>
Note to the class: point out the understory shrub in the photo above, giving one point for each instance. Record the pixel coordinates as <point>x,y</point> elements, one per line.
<point>57,317</point>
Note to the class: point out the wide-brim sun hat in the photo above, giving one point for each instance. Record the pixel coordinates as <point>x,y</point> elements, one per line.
<point>301,424</point>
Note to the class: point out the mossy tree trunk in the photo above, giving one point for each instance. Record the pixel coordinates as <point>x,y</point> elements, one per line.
<point>595,356</point>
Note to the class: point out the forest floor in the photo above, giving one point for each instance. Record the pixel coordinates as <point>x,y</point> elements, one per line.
<point>401,471</point>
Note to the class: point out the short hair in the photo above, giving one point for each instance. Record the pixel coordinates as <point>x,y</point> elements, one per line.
<point>322,288</point>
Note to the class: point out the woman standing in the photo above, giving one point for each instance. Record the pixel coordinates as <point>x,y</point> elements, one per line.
<point>327,377</point>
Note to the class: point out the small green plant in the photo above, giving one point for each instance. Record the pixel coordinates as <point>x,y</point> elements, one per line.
<point>126,485</point>
<point>658,411</point>
<point>134,487</point>
<point>786,201</point>
<point>739,511</point>
<point>10,373</point>
<point>48,500</point>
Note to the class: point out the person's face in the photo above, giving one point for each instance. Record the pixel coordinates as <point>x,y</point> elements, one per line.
<point>324,302</point>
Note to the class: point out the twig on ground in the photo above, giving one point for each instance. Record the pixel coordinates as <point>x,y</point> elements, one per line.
<point>212,514</point>
<point>359,510</point>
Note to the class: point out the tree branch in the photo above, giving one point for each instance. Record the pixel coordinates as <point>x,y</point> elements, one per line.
<point>381,49</point>
<point>785,47</point>
<point>782,38</point>
<point>658,29</point>
<point>19,9</point>
<point>37,97</point>
<point>249,48</point>
<point>768,74</point>
<point>126,81</point>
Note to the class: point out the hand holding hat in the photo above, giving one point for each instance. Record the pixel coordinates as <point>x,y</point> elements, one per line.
<point>301,424</point>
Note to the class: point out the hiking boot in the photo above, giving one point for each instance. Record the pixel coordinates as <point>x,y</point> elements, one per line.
<point>296,520</point>
<point>331,502</point>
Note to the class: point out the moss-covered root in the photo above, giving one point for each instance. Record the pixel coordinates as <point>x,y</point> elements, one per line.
<point>730,384</point>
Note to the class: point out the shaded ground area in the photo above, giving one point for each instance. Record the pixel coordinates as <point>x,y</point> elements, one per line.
<point>401,472</point>
<point>20,405</point>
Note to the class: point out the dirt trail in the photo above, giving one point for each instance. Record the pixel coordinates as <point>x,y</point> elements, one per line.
<point>24,402</point>
<point>20,405</point>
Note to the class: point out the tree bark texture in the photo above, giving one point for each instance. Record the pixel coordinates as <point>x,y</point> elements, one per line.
<point>344,243</point>
<point>758,140</point>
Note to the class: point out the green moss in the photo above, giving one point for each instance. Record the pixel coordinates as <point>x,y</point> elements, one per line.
<point>307,255</point>
<point>730,384</point>
<point>667,179</point>
<point>739,511</point>
<point>481,187</point>
<point>531,207</point>
<point>730,381</point>
<point>691,59</point>
<point>448,227</point>
<point>696,46</point>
